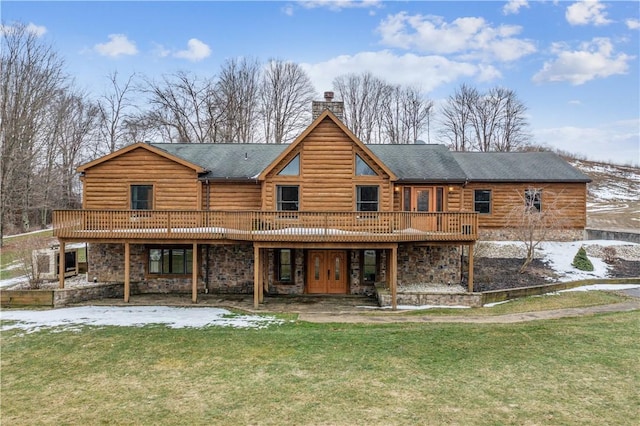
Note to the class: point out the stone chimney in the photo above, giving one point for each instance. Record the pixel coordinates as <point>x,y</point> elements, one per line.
<point>336,107</point>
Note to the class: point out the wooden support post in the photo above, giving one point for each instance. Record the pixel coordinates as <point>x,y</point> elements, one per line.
<point>127,267</point>
<point>470,289</point>
<point>256,276</point>
<point>61,265</point>
<point>194,274</point>
<point>394,277</point>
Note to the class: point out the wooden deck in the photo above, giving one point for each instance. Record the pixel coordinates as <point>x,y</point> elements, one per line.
<point>264,226</point>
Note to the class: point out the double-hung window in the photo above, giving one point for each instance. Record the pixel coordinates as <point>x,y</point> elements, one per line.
<point>141,197</point>
<point>367,198</point>
<point>533,199</point>
<point>288,197</point>
<point>482,201</point>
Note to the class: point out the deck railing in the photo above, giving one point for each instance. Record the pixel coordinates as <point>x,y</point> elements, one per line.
<point>264,226</point>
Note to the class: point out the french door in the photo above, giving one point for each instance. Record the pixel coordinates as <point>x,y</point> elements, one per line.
<point>424,199</point>
<point>327,272</point>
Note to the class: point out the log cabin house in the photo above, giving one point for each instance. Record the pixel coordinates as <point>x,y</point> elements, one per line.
<point>325,214</point>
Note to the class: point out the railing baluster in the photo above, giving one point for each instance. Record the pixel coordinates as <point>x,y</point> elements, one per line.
<point>266,226</point>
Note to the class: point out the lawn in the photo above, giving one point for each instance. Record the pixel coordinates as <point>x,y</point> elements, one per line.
<point>571,371</point>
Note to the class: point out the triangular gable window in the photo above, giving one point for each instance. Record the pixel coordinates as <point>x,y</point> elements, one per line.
<point>293,168</point>
<point>362,168</point>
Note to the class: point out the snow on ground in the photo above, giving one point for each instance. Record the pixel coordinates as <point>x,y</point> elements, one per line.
<point>135,316</point>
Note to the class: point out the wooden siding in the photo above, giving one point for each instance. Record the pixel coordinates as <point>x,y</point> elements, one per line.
<point>107,185</point>
<point>327,180</point>
<point>569,200</point>
<point>232,196</point>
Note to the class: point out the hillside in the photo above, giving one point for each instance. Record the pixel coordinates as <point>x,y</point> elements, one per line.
<point>614,195</point>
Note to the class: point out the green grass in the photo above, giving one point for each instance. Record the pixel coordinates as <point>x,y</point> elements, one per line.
<point>570,371</point>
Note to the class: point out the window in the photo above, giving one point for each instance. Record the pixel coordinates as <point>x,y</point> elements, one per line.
<point>293,168</point>
<point>369,266</point>
<point>367,198</point>
<point>284,265</point>
<point>287,198</point>
<point>141,197</point>
<point>482,201</point>
<point>533,199</point>
<point>168,261</point>
<point>362,168</point>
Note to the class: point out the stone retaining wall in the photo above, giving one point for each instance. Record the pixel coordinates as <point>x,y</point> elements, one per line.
<point>505,234</point>
<point>603,234</point>
<point>472,300</point>
<point>66,296</point>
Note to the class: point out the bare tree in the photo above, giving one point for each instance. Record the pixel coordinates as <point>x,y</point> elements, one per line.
<point>183,107</point>
<point>114,109</point>
<point>493,121</point>
<point>513,134</point>
<point>363,96</point>
<point>404,114</point>
<point>237,93</point>
<point>286,95</point>
<point>32,265</point>
<point>456,118</point>
<point>32,73</point>
<point>532,222</point>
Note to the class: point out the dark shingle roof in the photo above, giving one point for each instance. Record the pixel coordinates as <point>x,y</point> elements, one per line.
<point>517,167</point>
<point>410,163</point>
<point>226,160</point>
<point>420,162</point>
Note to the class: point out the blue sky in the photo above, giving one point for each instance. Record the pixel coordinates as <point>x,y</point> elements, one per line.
<point>574,64</point>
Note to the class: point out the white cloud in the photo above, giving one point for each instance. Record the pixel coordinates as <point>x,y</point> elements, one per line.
<point>633,24</point>
<point>587,12</point>
<point>337,5</point>
<point>37,30</point>
<point>424,72</point>
<point>616,141</point>
<point>575,102</point>
<point>288,10</point>
<point>471,37</point>
<point>594,59</point>
<point>160,51</point>
<point>117,45</point>
<point>514,6</point>
<point>196,51</point>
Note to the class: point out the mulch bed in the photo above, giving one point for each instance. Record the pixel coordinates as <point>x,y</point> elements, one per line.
<point>503,273</point>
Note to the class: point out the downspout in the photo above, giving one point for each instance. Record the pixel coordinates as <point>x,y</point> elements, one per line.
<point>206,259</point>
<point>206,269</point>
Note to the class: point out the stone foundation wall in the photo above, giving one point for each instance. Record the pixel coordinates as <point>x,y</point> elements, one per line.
<point>428,264</point>
<point>231,269</point>
<point>297,286</point>
<point>106,262</point>
<point>503,234</point>
<point>356,285</point>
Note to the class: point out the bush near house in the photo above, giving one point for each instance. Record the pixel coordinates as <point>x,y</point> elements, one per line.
<point>581,261</point>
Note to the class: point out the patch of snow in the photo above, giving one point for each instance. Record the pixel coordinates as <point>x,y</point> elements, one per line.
<point>135,316</point>
<point>13,281</point>
<point>605,287</point>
